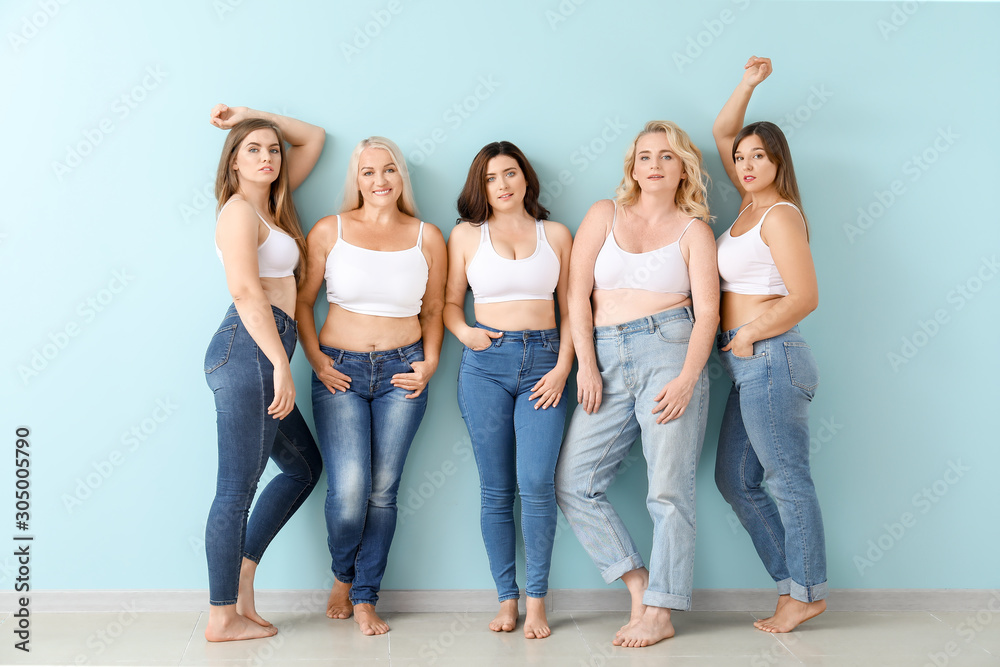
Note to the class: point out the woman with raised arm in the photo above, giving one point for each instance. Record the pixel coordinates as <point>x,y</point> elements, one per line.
<point>385,272</point>
<point>643,303</point>
<point>513,369</point>
<point>260,243</point>
<point>768,287</point>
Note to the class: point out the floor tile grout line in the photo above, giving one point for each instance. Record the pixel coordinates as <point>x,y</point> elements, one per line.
<point>191,637</point>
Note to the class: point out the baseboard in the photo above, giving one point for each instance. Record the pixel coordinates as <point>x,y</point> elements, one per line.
<point>609,599</point>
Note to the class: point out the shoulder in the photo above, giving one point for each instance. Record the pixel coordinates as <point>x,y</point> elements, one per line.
<point>557,233</point>
<point>600,215</point>
<point>236,210</point>
<point>602,207</point>
<point>325,228</point>
<point>784,216</point>
<point>465,232</point>
<point>700,230</point>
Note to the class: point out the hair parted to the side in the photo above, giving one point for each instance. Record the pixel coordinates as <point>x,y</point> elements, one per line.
<point>279,202</point>
<point>776,147</point>
<point>692,193</point>
<point>352,194</point>
<point>473,203</point>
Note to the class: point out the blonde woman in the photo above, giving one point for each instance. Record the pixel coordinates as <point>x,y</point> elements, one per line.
<point>385,273</point>
<point>643,303</point>
<point>262,249</point>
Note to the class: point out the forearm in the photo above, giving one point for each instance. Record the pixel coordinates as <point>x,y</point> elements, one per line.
<point>566,347</point>
<point>432,334</point>
<point>783,314</point>
<point>581,318</point>
<point>730,120</point>
<point>699,346</point>
<point>307,333</point>
<point>454,319</point>
<point>296,132</point>
<point>258,318</point>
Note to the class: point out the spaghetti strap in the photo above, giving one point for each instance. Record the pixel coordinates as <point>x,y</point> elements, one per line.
<point>541,230</point>
<point>685,230</point>
<point>615,216</point>
<point>340,233</point>
<point>420,235</point>
<point>231,200</point>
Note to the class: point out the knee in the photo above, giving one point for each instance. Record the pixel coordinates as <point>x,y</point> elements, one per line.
<point>726,480</point>
<point>535,487</point>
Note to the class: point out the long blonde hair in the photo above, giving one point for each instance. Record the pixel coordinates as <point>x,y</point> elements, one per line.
<point>279,202</point>
<point>352,194</point>
<point>692,193</point>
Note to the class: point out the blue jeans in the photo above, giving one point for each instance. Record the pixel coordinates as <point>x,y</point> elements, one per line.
<point>242,379</point>
<point>636,359</point>
<point>364,436</point>
<point>515,445</point>
<point>765,438</point>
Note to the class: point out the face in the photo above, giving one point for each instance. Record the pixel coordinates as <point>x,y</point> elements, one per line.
<point>505,184</point>
<point>379,179</point>
<point>657,166</point>
<point>258,159</point>
<point>754,169</point>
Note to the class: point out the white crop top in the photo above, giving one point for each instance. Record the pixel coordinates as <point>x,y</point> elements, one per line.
<point>277,256</point>
<point>495,279</point>
<point>745,262</point>
<point>385,283</point>
<point>662,270</point>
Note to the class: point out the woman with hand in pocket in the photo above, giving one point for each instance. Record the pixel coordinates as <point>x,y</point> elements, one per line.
<point>514,365</point>
<point>768,287</point>
<point>260,243</point>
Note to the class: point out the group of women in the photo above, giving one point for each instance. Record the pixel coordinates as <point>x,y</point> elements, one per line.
<point>638,298</point>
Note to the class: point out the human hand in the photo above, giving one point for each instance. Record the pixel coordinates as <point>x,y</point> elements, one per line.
<point>756,70</point>
<point>589,386</point>
<point>673,399</point>
<point>284,393</point>
<point>416,381</point>
<point>549,389</point>
<point>225,117</point>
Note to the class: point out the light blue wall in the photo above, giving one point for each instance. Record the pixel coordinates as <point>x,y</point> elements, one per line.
<point>129,227</point>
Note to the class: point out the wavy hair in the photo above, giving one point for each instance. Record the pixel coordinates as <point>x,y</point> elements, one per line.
<point>352,193</point>
<point>279,202</point>
<point>473,203</point>
<point>692,193</point>
<point>777,151</point>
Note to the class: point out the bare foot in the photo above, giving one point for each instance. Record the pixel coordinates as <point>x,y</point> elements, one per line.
<point>790,615</point>
<point>339,604</point>
<point>536,626</point>
<point>225,625</point>
<point>654,626</point>
<point>368,620</point>
<point>506,618</point>
<point>782,601</point>
<point>636,581</point>
<point>244,600</point>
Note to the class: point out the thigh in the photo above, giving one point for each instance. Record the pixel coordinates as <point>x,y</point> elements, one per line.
<point>487,406</point>
<point>539,435</point>
<point>344,431</point>
<point>295,451</point>
<point>394,423</point>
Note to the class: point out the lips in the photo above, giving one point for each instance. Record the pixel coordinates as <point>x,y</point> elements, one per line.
<point>505,197</point>
<point>266,169</point>
<point>381,193</point>
<point>748,178</point>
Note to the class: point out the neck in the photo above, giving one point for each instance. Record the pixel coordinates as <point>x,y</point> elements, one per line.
<point>379,215</point>
<point>655,207</point>
<point>515,218</point>
<point>257,195</point>
<point>765,198</point>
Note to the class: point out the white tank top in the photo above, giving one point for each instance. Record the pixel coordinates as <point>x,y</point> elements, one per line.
<point>662,270</point>
<point>385,283</point>
<point>495,279</point>
<point>745,262</point>
<point>277,256</point>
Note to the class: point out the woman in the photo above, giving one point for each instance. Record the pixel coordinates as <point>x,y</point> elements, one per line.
<point>513,371</point>
<point>385,272</point>
<point>260,243</point>
<point>643,302</point>
<point>768,287</point>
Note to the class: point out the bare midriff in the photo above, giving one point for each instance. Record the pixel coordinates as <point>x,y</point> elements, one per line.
<point>346,330</point>
<point>615,306</point>
<point>738,309</point>
<point>534,314</point>
<point>281,292</point>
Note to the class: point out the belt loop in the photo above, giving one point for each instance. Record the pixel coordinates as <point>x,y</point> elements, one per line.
<point>650,324</point>
<point>690,313</point>
<point>340,357</point>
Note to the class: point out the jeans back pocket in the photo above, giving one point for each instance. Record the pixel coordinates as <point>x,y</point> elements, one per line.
<point>802,368</point>
<point>219,348</point>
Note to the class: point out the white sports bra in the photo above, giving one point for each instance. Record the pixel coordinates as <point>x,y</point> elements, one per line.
<point>495,279</point>
<point>277,256</point>
<point>385,283</point>
<point>662,270</point>
<point>745,262</point>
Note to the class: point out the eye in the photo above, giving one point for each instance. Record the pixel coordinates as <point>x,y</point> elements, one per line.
<point>275,151</point>
<point>510,174</point>
<point>366,172</point>
<point>390,170</point>
<point>738,158</point>
<point>253,150</point>
<point>668,157</point>
<point>643,158</point>
<point>490,179</point>
<point>759,155</point>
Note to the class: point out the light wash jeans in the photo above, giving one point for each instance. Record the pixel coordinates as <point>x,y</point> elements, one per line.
<point>765,438</point>
<point>636,359</point>
<point>242,380</point>
<point>516,446</point>
<point>364,436</point>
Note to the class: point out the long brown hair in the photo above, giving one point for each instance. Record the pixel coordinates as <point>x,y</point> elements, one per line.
<point>776,148</point>
<point>473,203</point>
<point>279,202</point>
<point>692,193</point>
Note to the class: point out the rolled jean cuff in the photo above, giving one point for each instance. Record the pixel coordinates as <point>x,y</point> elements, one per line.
<point>371,602</point>
<point>224,603</point>
<point>627,564</point>
<point>666,600</point>
<point>535,595</point>
<point>809,593</point>
<point>252,557</point>
<point>784,586</point>
<point>509,596</point>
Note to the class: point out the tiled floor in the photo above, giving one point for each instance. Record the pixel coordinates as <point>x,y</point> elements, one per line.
<point>725,639</point>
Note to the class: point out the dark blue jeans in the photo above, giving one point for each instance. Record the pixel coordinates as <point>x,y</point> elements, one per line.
<point>364,436</point>
<point>242,379</point>
<point>516,448</point>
